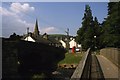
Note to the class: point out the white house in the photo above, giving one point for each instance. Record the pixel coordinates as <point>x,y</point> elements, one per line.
<point>29,38</point>
<point>63,43</point>
<point>72,43</point>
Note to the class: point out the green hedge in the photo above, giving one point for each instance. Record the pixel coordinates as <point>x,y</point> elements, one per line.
<point>33,58</point>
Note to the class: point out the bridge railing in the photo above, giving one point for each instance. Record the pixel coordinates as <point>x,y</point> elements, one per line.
<point>83,70</point>
<point>113,54</point>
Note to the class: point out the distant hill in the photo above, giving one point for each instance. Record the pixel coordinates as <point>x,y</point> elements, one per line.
<point>57,35</point>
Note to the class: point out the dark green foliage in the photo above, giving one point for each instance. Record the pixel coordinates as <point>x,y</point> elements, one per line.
<point>97,32</point>
<point>90,28</point>
<point>107,34</point>
<point>33,58</point>
<point>15,37</point>
<point>9,60</point>
<point>83,34</point>
<point>111,26</point>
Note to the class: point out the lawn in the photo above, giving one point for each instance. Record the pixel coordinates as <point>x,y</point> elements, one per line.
<point>71,58</point>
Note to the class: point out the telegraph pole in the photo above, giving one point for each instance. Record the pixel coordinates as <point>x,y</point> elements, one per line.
<point>27,33</point>
<point>67,43</point>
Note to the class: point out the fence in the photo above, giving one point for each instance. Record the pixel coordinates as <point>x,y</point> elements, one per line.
<point>84,68</point>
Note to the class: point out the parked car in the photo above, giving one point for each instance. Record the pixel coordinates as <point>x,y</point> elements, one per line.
<point>77,50</point>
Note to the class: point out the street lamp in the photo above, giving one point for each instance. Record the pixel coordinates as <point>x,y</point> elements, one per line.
<point>95,42</point>
<point>94,36</point>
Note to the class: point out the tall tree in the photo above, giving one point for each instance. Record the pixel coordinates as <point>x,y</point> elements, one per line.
<point>85,34</point>
<point>97,33</point>
<point>111,26</point>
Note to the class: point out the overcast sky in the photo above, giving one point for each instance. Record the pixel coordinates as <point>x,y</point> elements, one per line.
<point>53,17</point>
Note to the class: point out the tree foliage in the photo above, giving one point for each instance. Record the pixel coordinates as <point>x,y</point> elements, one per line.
<point>15,37</point>
<point>111,26</point>
<point>93,34</point>
<point>86,34</point>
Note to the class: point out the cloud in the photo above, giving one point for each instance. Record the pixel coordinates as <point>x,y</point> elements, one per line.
<point>4,11</point>
<point>49,30</point>
<point>18,7</point>
<point>12,22</point>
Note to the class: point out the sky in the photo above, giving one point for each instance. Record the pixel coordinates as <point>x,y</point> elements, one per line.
<point>53,17</point>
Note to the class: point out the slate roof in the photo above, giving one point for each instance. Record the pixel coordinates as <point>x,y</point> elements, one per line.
<point>37,39</point>
<point>41,40</point>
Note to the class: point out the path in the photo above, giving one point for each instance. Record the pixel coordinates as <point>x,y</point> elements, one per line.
<point>109,69</point>
<point>96,72</point>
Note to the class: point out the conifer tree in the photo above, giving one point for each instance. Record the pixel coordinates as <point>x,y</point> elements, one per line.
<point>111,26</point>
<point>97,33</point>
<point>85,34</point>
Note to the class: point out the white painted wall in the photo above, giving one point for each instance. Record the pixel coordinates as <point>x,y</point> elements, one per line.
<point>72,43</point>
<point>29,39</point>
<point>63,43</point>
<point>79,45</point>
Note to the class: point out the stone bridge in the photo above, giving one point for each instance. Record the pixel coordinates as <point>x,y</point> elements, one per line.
<point>104,66</point>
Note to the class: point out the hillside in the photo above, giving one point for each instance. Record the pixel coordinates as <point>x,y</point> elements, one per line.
<point>58,36</point>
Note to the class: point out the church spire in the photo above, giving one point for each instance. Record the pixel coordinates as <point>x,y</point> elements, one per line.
<point>36,30</point>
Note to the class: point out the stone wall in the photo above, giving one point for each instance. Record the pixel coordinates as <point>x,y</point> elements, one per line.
<point>113,54</point>
<point>82,72</point>
<point>27,58</point>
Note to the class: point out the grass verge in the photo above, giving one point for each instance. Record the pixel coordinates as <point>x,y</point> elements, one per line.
<point>71,58</point>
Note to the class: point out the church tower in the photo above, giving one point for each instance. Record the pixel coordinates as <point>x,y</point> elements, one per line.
<point>36,30</point>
